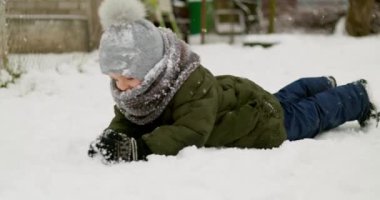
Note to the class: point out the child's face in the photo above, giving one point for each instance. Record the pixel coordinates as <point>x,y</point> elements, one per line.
<point>124,83</point>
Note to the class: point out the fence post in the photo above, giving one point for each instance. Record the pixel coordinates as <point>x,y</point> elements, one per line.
<point>94,28</point>
<point>3,37</point>
<point>272,15</point>
<point>203,21</point>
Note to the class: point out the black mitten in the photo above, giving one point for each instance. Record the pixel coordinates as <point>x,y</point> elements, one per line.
<point>114,147</point>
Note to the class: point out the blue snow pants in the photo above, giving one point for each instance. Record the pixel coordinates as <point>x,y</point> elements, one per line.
<point>313,105</point>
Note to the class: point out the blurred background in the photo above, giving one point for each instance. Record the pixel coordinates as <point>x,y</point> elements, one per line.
<point>59,26</point>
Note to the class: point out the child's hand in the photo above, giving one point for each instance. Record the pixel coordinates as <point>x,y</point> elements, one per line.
<point>114,147</point>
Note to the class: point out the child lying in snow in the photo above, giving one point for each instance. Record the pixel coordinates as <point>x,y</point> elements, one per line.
<point>166,101</point>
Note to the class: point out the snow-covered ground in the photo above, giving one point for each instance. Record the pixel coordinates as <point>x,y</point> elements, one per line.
<point>50,115</point>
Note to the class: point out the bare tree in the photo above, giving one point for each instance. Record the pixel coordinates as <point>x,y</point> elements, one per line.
<point>3,37</point>
<point>8,73</point>
<point>359,17</point>
<point>272,15</point>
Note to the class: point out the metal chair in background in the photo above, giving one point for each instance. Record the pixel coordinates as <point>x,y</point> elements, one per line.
<point>252,14</point>
<point>236,16</point>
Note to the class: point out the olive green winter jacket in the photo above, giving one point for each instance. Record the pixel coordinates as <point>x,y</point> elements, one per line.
<point>208,111</point>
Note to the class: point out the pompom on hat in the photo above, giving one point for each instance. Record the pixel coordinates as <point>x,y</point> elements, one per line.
<point>130,45</point>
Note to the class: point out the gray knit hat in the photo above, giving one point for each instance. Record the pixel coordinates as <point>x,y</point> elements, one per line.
<point>130,45</point>
<point>131,49</point>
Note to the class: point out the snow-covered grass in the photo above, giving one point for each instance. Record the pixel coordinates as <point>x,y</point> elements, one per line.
<point>50,115</point>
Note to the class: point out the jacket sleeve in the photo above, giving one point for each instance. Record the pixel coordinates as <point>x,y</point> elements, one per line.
<point>121,125</point>
<point>194,113</point>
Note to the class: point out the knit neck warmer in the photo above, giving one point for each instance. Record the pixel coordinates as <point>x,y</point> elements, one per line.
<point>146,102</point>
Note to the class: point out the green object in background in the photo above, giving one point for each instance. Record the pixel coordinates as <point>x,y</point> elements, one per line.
<point>195,7</point>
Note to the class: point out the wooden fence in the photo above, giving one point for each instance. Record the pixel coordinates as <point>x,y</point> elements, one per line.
<point>42,26</point>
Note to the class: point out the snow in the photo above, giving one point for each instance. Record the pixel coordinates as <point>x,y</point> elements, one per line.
<point>4,77</point>
<point>50,115</point>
